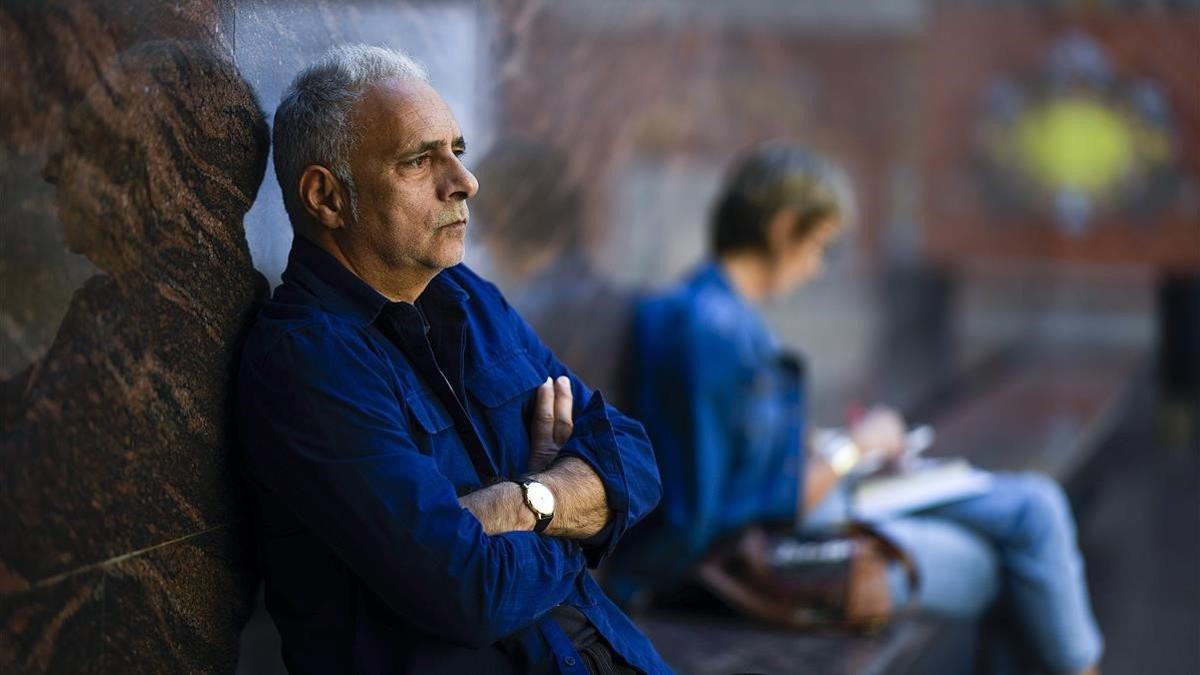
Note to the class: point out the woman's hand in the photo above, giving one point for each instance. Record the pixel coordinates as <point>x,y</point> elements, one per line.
<point>880,433</point>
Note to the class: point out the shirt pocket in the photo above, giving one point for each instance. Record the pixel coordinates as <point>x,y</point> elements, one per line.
<point>434,435</point>
<point>429,414</point>
<point>504,389</point>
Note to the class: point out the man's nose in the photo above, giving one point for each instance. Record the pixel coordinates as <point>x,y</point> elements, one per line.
<point>460,183</point>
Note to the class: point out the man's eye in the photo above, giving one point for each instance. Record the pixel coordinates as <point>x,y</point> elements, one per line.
<point>460,152</point>
<point>418,161</point>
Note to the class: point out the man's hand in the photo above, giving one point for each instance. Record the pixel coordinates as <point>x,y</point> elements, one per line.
<point>581,504</point>
<point>552,422</point>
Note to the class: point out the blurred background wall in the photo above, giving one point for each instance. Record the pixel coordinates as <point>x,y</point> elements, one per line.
<point>1023,270</point>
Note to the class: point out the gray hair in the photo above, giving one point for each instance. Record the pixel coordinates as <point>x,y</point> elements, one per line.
<point>312,122</point>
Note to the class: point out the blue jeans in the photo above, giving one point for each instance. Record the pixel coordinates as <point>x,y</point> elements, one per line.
<point>1017,541</point>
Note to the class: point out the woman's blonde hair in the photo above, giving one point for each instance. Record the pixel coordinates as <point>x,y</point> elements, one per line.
<point>774,176</point>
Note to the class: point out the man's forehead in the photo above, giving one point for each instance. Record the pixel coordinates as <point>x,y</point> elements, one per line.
<point>406,112</point>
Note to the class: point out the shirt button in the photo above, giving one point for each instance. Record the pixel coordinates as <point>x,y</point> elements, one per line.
<point>570,661</point>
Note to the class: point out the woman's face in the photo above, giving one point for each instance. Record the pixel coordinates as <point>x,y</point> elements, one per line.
<point>801,260</point>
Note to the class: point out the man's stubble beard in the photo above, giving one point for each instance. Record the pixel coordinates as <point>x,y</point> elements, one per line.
<point>396,256</point>
<point>454,214</point>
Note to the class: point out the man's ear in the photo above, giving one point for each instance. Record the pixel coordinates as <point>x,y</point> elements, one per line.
<point>323,197</point>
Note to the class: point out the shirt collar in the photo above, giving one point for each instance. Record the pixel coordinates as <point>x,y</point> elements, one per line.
<point>712,274</point>
<point>341,291</point>
<point>711,279</point>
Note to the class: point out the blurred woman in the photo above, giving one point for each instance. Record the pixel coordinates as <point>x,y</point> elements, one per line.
<point>724,406</point>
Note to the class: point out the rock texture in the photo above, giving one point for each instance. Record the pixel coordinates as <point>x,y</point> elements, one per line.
<point>122,537</point>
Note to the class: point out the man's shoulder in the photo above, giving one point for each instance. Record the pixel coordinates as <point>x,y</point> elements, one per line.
<point>477,287</point>
<point>486,304</point>
<point>496,329</point>
<point>285,329</point>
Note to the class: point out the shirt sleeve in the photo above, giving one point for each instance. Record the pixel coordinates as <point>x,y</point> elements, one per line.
<point>613,444</point>
<point>326,436</point>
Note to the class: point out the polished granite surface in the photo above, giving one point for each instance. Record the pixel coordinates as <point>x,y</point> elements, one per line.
<point>132,150</point>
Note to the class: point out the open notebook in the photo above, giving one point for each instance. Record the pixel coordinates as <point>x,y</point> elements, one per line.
<point>925,484</point>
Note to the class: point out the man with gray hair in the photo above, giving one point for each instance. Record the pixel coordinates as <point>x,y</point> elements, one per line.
<point>430,482</point>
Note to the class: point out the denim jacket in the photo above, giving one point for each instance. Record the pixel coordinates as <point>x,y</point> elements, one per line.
<point>723,405</point>
<point>356,458</point>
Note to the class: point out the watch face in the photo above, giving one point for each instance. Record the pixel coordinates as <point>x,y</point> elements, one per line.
<point>540,498</point>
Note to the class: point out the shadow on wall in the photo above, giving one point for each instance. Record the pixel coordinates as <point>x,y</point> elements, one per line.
<point>122,536</point>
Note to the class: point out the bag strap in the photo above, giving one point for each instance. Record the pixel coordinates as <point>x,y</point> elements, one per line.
<point>895,553</point>
<point>744,599</point>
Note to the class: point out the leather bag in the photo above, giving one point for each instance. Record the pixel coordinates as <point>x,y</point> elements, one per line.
<point>836,579</point>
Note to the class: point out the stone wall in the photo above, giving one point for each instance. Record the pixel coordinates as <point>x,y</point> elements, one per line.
<point>132,149</point>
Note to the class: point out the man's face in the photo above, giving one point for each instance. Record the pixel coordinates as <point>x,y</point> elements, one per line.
<point>410,185</point>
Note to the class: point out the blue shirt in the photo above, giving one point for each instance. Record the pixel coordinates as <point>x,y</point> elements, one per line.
<point>724,407</point>
<point>362,421</point>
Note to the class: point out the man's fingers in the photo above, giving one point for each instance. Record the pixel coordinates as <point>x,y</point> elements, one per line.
<point>541,432</point>
<point>552,415</point>
<point>563,404</point>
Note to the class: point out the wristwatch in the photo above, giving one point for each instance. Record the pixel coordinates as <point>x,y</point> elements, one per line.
<point>840,452</point>
<point>540,500</point>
